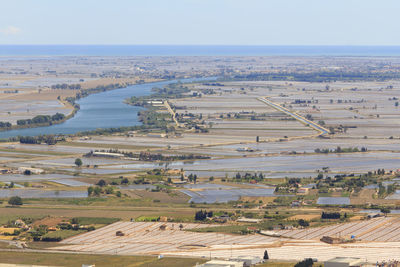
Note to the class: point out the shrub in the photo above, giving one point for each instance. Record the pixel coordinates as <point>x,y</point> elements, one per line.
<point>15,201</point>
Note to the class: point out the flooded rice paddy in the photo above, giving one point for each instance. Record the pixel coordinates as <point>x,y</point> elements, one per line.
<point>333,201</point>
<point>226,195</point>
<point>39,193</point>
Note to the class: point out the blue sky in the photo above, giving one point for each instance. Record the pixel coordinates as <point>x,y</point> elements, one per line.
<point>224,22</point>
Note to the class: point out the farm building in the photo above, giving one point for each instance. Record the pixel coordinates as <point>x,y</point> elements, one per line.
<point>344,262</point>
<point>220,263</point>
<point>107,154</point>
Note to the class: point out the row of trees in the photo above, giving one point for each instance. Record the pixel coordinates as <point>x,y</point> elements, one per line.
<point>341,150</point>
<point>5,124</point>
<point>47,139</point>
<point>249,176</point>
<point>331,215</point>
<point>319,76</point>
<point>40,119</point>
<point>98,190</point>
<point>202,215</point>
<point>67,86</point>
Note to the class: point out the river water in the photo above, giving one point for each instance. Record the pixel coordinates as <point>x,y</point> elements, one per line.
<point>101,110</point>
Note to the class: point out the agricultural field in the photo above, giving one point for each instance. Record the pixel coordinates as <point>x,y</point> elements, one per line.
<point>199,163</point>
<point>172,239</point>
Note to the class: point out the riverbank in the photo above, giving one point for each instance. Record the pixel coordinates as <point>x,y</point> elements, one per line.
<point>66,104</point>
<point>69,102</point>
<point>105,109</point>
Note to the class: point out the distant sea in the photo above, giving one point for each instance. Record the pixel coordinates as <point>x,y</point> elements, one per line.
<point>195,50</point>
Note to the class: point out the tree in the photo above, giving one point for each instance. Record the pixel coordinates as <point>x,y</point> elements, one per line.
<point>78,162</point>
<point>90,190</point>
<point>97,191</point>
<point>266,257</point>
<point>109,190</point>
<point>101,183</point>
<point>15,201</point>
<point>303,223</point>
<point>201,215</point>
<point>385,210</point>
<point>305,263</point>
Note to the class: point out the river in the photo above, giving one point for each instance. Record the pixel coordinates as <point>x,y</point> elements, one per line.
<point>100,110</point>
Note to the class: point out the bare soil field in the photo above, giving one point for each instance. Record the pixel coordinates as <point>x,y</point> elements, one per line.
<point>149,239</point>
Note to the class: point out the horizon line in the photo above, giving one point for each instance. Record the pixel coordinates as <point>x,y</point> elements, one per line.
<point>249,45</point>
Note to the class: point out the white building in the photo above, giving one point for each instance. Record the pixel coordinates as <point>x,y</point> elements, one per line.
<point>344,262</point>
<point>221,263</point>
<point>248,260</point>
<point>107,154</point>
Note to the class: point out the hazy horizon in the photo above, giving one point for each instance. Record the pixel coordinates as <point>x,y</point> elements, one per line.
<point>206,22</point>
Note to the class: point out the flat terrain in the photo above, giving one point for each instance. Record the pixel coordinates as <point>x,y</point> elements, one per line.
<point>71,260</point>
<point>173,241</point>
<point>205,145</point>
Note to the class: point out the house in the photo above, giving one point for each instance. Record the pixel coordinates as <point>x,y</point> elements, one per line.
<point>344,262</point>
<point>221,263</point>
<point>107,154</point>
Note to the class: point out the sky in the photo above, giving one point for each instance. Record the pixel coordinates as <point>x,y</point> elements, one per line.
<point>200,22</point>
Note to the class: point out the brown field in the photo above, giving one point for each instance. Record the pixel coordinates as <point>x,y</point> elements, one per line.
<point>46,94</point>
<point>258,199</point>
<point>49,221</point>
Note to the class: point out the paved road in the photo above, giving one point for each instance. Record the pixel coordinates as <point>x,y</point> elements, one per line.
<point>298,117</point>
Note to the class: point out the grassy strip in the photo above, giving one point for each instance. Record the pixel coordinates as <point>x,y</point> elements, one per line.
<point>73,260</point>
<point>96,220</point>
<point>62,234</point>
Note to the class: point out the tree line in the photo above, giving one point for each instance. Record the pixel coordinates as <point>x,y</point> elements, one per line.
<point>40,119</point>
